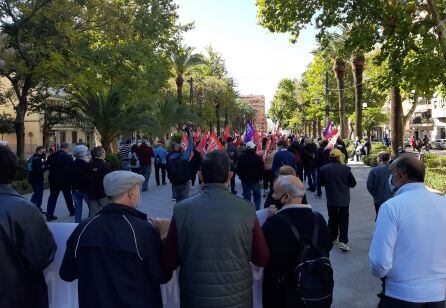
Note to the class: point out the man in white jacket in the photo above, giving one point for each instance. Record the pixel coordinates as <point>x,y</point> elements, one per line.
<point>408,249</point>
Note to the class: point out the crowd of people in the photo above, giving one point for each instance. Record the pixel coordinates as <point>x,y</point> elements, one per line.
<point>120,256</point>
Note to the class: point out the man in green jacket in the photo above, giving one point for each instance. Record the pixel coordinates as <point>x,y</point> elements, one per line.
<point>213,236</point>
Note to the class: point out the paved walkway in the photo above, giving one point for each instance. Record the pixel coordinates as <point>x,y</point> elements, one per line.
<point>354,285</point>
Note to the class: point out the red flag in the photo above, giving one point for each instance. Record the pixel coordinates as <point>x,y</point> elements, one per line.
<point>184,142</point>
<point>202,146</point>
<point>226,134</point>
<point>267,148</point>
<point>333,133</point>
<point>214,144</point>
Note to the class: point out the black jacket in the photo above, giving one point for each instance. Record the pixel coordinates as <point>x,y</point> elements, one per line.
<point>337,179</point>
<point>98,170</point>
<point>36,175</point>
<point>58,164</point>
<point>322,157</point>
<point>233,155</point>
<point>27,247</point>
<point>309,156</point>
<point>116,256</point>
<point>284,254</point>
<point>250,168</point>
<point>195,162</point>
<point>79,172</point>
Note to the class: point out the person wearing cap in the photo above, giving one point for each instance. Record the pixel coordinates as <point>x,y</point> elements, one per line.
<point>116,255</point>
<point>377,181</point>
<point>338,179</point>
<point>250,169</point>
<point>79,172</point>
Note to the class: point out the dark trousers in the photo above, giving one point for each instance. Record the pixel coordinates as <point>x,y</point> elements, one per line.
<point>377,206</point>
<point>268,180</point>
<point>389,302</point>
<point>55,189</point>
<point>232,184</point>
<point>157,173</point>
<point>338,223</point>
<point>311,176</point>
<point>145,171</point>
<point>193,177</point>
<point>38,194</point>
<point>318,182</point>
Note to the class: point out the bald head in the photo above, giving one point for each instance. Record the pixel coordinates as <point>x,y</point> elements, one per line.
<point>289,189</point>
<point>408,169</point>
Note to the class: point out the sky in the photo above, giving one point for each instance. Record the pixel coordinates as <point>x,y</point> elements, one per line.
<point>255,58</point>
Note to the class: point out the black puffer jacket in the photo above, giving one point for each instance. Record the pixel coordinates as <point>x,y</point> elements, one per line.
<point>27,247</point>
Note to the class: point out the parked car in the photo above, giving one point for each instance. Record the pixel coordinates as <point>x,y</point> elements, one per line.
<point>439,144</point>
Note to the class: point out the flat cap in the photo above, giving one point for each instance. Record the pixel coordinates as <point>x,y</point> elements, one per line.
<point>335,153</point>
<point>118,182</point>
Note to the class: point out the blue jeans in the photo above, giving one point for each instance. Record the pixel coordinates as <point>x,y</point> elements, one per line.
<point>126,165</point>
<point>78,197</point>
<point>311,176</point>
<point>38,194</point>
<point>145,171</point>
<point>255,189</point>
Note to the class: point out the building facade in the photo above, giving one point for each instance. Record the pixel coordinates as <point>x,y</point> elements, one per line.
<point>34,135</point>
<point>258,102</point>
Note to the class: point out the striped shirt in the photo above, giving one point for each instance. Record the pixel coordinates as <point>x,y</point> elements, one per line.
<point>124,152</point>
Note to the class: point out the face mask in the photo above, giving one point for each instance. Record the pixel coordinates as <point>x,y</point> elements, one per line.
<point>278,202</point>
<point>393,187</point>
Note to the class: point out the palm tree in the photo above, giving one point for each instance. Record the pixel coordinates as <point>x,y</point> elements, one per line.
<point>357,61</point>
<point>339,68</point>
<point>166,114</point>
<point>107,110</point>
<point>183,59</point>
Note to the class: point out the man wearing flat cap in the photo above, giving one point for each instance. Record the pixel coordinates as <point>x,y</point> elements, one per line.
<point>338,179</point>
<point>116,255</point>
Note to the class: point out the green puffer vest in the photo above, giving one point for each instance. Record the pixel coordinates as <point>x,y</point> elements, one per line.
<point>214,230</point>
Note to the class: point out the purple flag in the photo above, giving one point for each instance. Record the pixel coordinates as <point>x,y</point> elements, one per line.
<point>329,129</point>
<point>249,132</point>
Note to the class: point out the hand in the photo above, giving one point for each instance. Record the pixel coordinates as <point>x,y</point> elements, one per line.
<point>162,225</point>
<point>272,210</point>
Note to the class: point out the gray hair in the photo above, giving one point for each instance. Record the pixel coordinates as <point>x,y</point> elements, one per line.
<point>80,151</point>
<point>287,184</point>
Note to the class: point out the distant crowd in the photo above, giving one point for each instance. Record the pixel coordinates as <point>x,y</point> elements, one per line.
<point>120,256</point>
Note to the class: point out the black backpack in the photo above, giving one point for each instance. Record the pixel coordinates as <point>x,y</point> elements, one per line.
<point>178,171</point>
<point>313,275</point>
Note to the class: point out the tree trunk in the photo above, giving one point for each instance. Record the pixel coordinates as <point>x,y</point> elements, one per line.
<point>319,127</point>
<point>441,29</point>
<point>314,128</point>
<point>19,126</point>
<point>396,116</point>
<point>352,131</point>
<point>226,117</point>
<point>179,81</point>
<point>411,110</point>
<point>339,68</point>
<point>358,61</point>
<point>217,115</point>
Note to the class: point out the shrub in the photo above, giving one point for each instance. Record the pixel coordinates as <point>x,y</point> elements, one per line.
<point>434,161</point>
<point>436,179</point>
<point>113,160</point>
<point>21,173</point>
<point>22,187</point>
<point>378,147</point>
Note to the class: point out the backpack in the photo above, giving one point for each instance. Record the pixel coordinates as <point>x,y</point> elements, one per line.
<point>29,164</point>
<point>313,275</point>
<point>133,160</point>
<point>157,160</point>
<point>178,171</point>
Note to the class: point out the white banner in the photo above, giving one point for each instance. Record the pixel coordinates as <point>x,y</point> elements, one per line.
<point>63,294</point>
